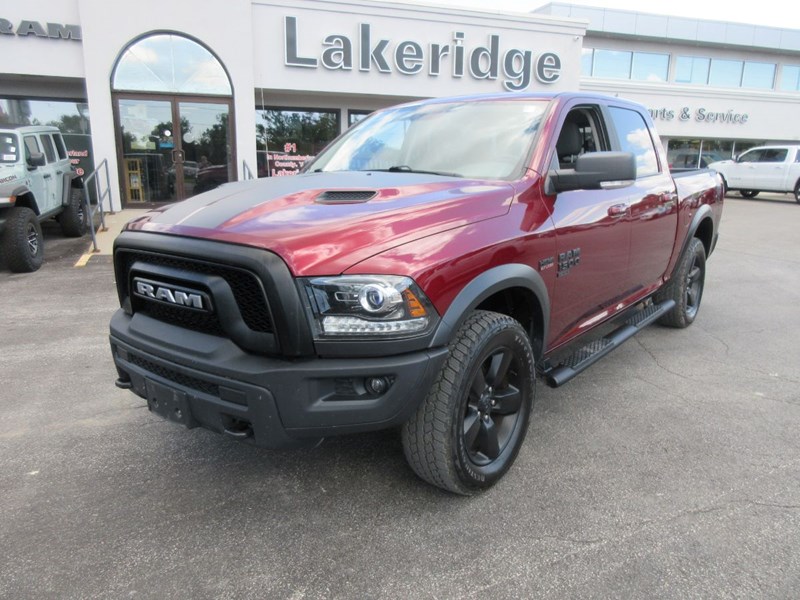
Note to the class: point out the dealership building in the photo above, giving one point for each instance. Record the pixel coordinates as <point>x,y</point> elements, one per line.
<point>181,96</point>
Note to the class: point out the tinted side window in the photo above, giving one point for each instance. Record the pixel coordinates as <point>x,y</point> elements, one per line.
<point>31,146</point>
<point>60,147</point>
<point>635,137</point>
<point>49,151</point>
<point>751,156</point>
<point>773,155</point>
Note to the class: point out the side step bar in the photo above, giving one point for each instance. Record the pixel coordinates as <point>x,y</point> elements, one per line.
<point>591,353</point>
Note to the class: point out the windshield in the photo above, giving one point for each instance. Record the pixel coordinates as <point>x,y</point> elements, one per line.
<point>9,151</point>
<point>479,140</point>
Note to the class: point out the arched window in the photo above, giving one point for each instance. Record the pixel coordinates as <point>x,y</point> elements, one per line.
<point>170,63</point>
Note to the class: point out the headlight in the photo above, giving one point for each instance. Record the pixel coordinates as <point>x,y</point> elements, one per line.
<point>367,306</point>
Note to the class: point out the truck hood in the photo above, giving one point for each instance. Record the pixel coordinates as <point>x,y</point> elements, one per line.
<point>324,223</point>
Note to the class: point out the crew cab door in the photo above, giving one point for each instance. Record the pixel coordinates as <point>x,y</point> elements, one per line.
<point>652,201</point>
<point>592,231</point>
<point>52,174</point>
<point>761,169</point>
<point>39,177</point>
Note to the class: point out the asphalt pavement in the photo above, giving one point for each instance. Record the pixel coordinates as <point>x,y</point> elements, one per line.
<point>671,469</point>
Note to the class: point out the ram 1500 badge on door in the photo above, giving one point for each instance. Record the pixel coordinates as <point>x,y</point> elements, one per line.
<point>418,274</point>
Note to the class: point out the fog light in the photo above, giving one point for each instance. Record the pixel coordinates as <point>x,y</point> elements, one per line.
<point>376,385</point>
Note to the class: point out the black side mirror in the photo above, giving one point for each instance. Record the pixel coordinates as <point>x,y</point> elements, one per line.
<point>594,171</point>
<point>36,159</point>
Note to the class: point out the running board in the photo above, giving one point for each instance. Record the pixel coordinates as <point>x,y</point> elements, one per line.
<point>591,353</point>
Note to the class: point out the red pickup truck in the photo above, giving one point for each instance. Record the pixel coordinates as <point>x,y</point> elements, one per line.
<point>421,272</point>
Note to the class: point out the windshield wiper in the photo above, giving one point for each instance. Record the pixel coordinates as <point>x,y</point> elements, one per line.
<point>407,169</point>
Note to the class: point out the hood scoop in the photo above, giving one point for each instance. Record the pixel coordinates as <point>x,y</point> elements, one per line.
<point>345,196</point>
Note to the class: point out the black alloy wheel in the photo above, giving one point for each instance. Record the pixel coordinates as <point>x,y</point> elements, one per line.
<point>493,406</point>
<point>468,431</point>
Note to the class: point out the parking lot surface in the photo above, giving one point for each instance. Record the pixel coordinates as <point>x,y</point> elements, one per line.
<point>670,469</point>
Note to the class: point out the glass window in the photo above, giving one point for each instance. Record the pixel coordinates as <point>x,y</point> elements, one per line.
<point>650,67</point>
<point>9,150</point>
<point>635,137</point>
<point>60,148</point>
<point>790,78</point>
<point>68,116</point>
<point>287,138</point>
<point>462,139</point>
<point>691,69</point>
<point>751,156</point>
<point>758,75</point>
<point>49,150</point>
<point>716,150</point>
<point>354,116</point>
<point>170,63</point>
<point>612,64</point>
<point>586,61</point>
<point>725,73</point>
<point>31,146</point>
<point>774,155</point>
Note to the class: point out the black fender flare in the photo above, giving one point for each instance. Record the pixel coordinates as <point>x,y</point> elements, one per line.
<point>24,190</point>
<point>488,283</point>
<point>702,213</point>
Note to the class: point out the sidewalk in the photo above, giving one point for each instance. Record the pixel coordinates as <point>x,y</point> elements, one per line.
<point>105,239</point>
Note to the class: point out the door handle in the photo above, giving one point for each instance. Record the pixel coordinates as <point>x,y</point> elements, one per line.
<point>48,176</point>
<point>59,172</point>
<point>617,210</point>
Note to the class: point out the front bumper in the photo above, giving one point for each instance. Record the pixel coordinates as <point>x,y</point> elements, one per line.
<point>203,380</point>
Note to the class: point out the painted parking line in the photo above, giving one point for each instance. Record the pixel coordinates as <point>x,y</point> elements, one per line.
<point>83,260</point>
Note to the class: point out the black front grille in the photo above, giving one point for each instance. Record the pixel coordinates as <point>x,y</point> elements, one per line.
<point>174,376</point>
<point>245,285</point>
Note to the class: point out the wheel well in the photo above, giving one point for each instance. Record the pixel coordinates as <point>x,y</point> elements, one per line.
<point>705,233</point>
<point>522,305</point>
<point>28,201</point>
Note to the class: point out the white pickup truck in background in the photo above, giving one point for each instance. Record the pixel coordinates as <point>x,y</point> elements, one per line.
<point>763,169</point>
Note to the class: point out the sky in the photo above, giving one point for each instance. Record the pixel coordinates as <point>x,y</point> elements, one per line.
<point>774,13</point>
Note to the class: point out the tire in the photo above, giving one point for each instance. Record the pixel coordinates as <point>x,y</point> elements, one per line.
<point>469,429</point>
<point>797,192</point>
<point>74,219</point>
<point>685,287</point>
<point>748,193</point>
<point>23,244</point>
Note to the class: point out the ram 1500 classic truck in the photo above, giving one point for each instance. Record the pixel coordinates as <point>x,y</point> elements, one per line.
<point>418,273</point>
<point>762,169</point>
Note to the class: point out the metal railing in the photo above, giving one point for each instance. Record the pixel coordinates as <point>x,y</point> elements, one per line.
<point>94,209</point>
<point>248,174</point>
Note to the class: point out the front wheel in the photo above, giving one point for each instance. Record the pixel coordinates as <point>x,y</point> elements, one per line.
<point>797,192</point>
<point>23,243</point>
<point>468,430</point>
<point>685,287</point>
<point>748,193</point>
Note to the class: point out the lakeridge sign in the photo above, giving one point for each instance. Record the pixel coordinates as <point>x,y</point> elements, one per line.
<point>515,67</point>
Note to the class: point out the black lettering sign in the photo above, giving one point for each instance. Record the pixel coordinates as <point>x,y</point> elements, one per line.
<point>293,59</point>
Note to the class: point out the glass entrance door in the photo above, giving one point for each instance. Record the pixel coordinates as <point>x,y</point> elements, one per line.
<point>205,148</point>
<point>147,144</point>
<point>164,163</point>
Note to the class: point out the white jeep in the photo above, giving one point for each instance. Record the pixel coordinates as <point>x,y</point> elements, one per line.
<point>36,183</point>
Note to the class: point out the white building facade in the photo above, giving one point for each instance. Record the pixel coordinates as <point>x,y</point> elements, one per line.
<point>180,96</point>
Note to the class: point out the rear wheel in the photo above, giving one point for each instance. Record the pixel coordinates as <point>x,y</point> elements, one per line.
<point>23,244</point>
<point>685,287</point>
<point>748,193</point>
<point>73,219</point>
<point>797,192</point>
<point>468,431</point>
